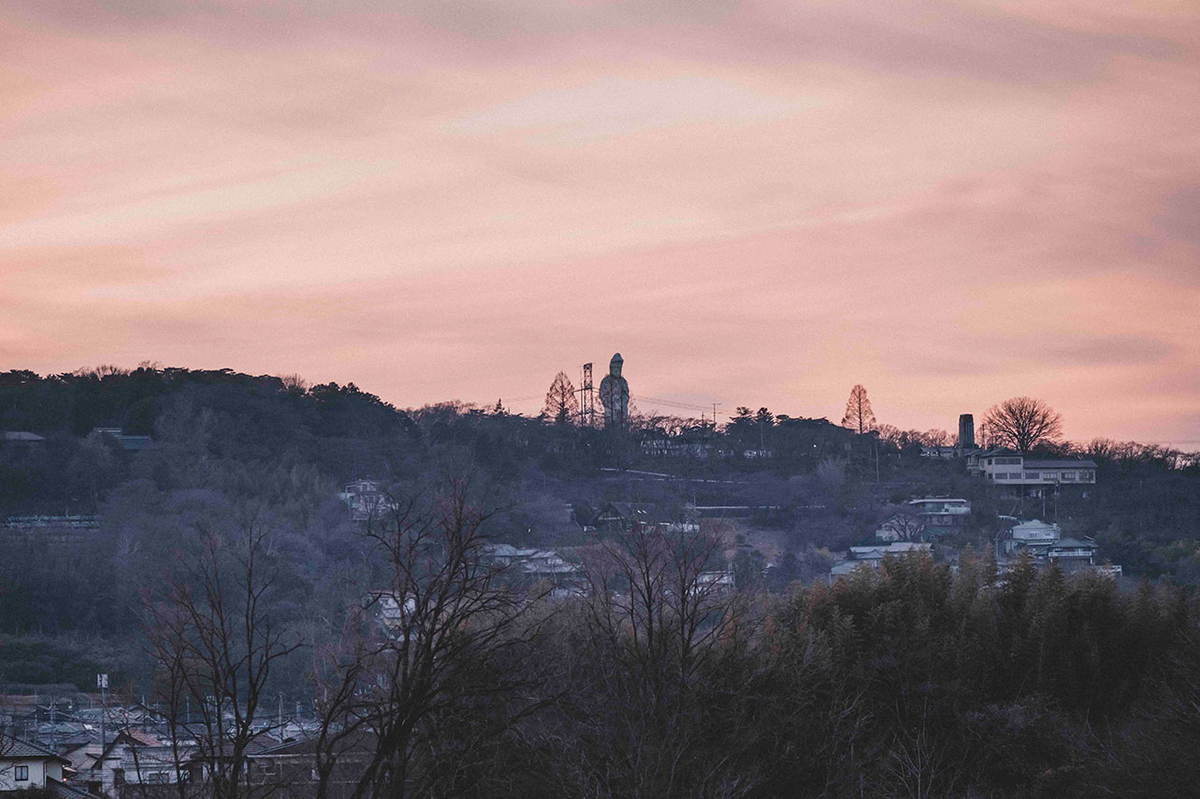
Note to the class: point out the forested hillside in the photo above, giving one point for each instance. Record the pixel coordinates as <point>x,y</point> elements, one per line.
<point>653,675</point>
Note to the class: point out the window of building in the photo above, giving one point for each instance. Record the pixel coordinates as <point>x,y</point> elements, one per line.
<point>1033,476</point>
<point>1068,475</point>
<point>21,773</point>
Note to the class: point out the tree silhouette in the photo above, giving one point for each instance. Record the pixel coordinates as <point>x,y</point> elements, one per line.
<point>561,403</point>
<point>1023,423</point>
<point>859,416</point>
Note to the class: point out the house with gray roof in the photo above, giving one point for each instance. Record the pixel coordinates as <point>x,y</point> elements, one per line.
<point>28,765</point>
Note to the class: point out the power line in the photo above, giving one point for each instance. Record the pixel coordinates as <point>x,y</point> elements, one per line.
<point>690,406</point>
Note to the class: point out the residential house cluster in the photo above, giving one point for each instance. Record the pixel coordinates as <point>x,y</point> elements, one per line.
<point>1044,544</point>
<point>78,750</point>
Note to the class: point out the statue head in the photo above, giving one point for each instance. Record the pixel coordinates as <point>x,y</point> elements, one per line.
<point>614,366</point>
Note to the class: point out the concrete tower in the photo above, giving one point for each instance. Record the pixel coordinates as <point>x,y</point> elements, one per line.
<point>966,432</point>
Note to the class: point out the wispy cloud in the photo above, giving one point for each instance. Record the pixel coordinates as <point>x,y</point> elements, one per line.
<point>951,202</point>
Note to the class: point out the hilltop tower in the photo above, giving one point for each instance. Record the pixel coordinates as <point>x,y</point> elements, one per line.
<point>966,432</point>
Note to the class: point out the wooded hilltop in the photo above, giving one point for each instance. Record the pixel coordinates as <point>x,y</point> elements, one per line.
<point>680,635</point>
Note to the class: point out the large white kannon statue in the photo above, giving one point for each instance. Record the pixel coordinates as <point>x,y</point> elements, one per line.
<point>614,395</point>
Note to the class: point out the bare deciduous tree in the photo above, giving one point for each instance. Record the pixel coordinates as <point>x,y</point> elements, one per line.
<point>561,403</point>
<point>1023,423</point>
<point>658,609</point>
<point>905,523</point>
<point>859,416</point>
<point>213,642</point>
<point>936,438</point>
<point>421,655</point>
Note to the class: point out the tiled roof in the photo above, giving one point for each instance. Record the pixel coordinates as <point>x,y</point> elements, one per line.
<point>15,747</point>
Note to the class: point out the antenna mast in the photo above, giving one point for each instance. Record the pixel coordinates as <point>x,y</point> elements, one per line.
<point>587,402</point>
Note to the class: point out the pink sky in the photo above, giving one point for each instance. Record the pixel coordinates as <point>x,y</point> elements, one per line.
<point>757,203</point>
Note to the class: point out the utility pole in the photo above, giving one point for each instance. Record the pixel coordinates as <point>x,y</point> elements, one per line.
<point>102,684</point>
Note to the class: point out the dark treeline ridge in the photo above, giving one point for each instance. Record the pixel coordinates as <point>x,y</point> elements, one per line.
<point>912,682</point>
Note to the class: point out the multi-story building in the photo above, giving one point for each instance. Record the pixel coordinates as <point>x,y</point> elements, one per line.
<point>1022,474</point>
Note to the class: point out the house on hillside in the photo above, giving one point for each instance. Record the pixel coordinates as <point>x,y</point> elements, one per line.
<point>367,500</point>
<point>127,443</point>
<point>942,514</point>
<point>1016,474</point>
<point>872,556</point>
<point>1043,543</point>
<point>527,565</point>
<point>1069,554</point>
<point>1035,531</point>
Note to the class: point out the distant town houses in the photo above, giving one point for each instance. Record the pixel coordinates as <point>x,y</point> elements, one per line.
<point>77,747</point>
<point>946,452</point>
<point>681,447</point>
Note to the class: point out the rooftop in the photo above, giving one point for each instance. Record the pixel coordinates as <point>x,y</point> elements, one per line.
<point>14,747</point>
<point>21,436</point>
<point>1061,463</point>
